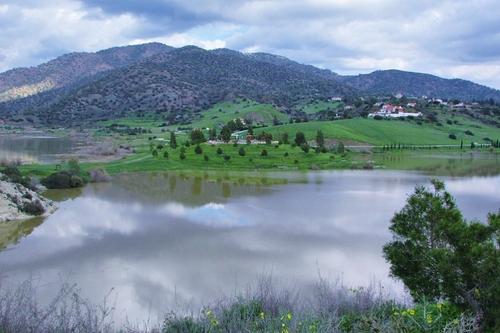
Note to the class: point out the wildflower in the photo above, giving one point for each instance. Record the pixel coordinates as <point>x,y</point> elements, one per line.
<point>289,316</point>
<point>429,319</point>
<point>261,315</point>
<point>411,312</point>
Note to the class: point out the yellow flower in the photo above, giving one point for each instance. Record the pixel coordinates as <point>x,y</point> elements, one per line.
<point>411,312</point>
<point>289,316</point>
<point>261,315</point>
<point>429,319</point>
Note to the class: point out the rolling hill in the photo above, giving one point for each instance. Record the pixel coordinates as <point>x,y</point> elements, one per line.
<point>392,82</point>
<point>80,88</point>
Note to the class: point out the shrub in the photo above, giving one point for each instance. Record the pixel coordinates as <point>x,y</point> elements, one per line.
<point>300,138</point>
<point>241,151</point>
<point>340,148</point>
<point>197,136</point>
<point>62,180</point>
<point>15,176</point>
<point>227,157</point>
<point>286,154</point>
<point>305,148</point>
<point>165,154</point>
<point>182,155</point>
<point>452,136</point>
<point>263,152</point>
<point>198,150</point>
<point>205,157</point>
<point>34,207</point>
<point>219,151</point>
<point>439,255</point>
<point>154,153</point>
<point>469,133</point>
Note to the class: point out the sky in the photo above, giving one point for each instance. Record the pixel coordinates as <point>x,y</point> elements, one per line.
<point>458,38</point>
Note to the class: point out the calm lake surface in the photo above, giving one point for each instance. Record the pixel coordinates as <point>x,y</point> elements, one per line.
<point>34,149</point>
<point>168,240</point>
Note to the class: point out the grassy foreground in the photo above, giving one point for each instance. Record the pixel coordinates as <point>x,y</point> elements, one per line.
<point>263,308</point>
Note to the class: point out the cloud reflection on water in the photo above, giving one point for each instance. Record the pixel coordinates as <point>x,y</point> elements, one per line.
<point>159,247</point>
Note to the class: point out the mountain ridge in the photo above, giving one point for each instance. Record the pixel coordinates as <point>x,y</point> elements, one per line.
<point>158,78</point>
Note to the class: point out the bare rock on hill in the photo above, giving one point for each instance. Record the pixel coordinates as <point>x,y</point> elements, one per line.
<point>18,202</point>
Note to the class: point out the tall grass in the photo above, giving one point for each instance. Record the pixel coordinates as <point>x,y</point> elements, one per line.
<point>264,307</point>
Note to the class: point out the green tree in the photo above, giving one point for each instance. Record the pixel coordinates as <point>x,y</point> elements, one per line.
<point>219,151</point>
<point>284,138</point>
<point>198,150</point>
<point>439,255</point>
<point>320,139</point>
<point>300,138</point>
<point>305,148</point>
<point>225,134</point>
<point>197,136</point>
<point>182,155</point>
<point>263,152</point>
<point>340,148</point>
<point>212,134</point>
<point>74,166</point>
<point>154,153</point>
<point>165,154</point>
<point>173,140</point>
<point>241,152</point>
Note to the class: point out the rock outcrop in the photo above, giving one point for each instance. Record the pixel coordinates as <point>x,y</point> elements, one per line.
<point>18,202</point>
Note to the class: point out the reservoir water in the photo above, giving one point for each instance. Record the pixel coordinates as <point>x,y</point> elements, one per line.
<point>163,239</point>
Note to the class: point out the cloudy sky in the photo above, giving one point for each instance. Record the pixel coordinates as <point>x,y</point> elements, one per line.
<point>458,38</point>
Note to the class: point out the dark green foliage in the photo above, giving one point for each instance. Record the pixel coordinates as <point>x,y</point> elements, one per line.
<point>241,151</point>
<point>284,138</point>
<point>263,152</point>
<point>74,166</point>
<point>197,136</point>
<point>300,138</point>
<point>286,154</point>
<point>437,254</point>
<point>469,133</point>
<point>154,153</point>
<point>173,140</point>
<point>198,150</point>
<point>225,134</point>
<point>305,147</point>
<point>320,139</point>
<point>452,136</point>
<point>15,176</point>
<point>205,157</point>
<point>62,179</point>
<point>34,207</point>
<point>267,137</point>
<point>219,151</point>
<point>340,148</point>
<point>165,154</point>
<point>182,155</point>
<point>227,157</point>
<point>212,134</point>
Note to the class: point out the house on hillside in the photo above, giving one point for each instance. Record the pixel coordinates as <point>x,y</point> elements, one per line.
<point>393,111</point>
<point>411,104</point>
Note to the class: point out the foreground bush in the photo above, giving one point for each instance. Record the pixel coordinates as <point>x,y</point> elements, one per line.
<point>330,309</point>
<point>62,179</point>
<point>439,255</point>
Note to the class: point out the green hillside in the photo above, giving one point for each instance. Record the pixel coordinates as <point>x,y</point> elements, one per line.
<point>380,132</point>
<point>221,113</point>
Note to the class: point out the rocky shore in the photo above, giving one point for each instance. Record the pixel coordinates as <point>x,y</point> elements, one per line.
<point>18,202</point>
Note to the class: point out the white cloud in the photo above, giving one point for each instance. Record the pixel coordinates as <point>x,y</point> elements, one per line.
<point>450,38</point>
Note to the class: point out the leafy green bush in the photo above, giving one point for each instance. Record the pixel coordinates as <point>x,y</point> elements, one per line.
<point>439,255</point>
<point>63,179</point>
